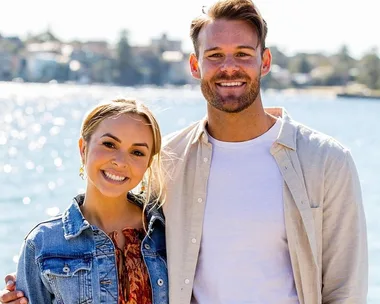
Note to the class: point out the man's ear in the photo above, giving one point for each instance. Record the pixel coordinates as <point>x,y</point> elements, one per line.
<point>194,66</point>
<point>82,149</point>
<point>267,62</point>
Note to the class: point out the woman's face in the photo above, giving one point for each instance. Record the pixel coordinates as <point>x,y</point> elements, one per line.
<point>117,154</point>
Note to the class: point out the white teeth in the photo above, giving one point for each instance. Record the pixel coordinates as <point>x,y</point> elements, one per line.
<point>114,177</point>
<point>230,84</point>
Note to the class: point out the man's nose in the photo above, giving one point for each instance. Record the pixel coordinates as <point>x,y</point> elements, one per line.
<point>229,65</point>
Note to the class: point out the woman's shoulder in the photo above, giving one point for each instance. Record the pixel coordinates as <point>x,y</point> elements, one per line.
<point>50,227</point>
<point>54,226</point>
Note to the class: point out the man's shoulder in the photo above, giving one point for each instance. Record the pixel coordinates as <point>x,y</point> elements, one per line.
<point>182,137</point>
<point>315,142</point>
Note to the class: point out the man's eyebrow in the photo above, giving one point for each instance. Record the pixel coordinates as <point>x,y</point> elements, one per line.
<point>246,47</point>
<point>112,136</point>
<point>217,48</point>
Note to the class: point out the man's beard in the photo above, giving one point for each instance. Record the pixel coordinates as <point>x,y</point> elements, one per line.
<point>241,102</point>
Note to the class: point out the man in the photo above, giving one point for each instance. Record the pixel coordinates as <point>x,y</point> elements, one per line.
<point>260,208</point>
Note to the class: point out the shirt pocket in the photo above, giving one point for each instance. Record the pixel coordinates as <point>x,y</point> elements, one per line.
<point>69,278</point>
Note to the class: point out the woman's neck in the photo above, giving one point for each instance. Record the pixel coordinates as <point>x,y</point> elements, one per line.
<point>111,214</point>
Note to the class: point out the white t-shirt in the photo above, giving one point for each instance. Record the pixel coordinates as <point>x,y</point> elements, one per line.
<point>244,256</point>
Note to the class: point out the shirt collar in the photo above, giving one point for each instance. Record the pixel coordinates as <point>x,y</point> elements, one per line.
<point>201,133</point>
<point>287,135</point>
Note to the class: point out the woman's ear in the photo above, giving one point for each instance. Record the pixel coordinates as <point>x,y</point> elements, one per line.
<point>82,149</point>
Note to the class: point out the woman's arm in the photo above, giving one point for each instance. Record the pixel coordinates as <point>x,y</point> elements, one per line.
<point>29,278</point>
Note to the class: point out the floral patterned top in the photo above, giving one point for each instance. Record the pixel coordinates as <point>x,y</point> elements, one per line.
<point>134,284</point>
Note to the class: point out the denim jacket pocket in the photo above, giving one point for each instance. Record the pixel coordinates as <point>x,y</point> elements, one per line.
<point>69,278</point>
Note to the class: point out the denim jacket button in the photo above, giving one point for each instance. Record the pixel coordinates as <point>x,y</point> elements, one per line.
<point>147,246</point>
<point>66,269</point>
<point>160,282</point>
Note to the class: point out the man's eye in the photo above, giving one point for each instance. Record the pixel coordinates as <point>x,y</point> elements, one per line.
<point>216,55</point>
<point>108,144</point>
<point>242,54</point>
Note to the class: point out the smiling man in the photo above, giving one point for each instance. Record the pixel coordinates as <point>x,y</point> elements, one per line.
<point>260,209</point>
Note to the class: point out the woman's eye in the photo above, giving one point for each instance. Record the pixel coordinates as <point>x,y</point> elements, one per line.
<point>109,144</point>
<point>138,153</point>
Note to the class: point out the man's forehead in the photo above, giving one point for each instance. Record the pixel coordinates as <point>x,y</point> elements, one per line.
<point>232,32</point>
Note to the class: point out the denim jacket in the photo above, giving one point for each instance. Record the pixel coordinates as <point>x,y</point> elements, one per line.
<point>66,260</point>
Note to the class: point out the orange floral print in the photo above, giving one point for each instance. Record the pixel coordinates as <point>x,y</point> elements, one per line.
<point>134,284</point>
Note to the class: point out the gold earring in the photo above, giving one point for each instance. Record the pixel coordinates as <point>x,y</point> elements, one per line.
<point>143,187</point>
<point>81,171</point>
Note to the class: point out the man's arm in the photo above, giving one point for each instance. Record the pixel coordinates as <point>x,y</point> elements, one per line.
<point>344,236</point>
<point>9,294</point>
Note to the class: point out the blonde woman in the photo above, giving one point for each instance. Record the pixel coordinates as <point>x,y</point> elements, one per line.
<point>108,246</point>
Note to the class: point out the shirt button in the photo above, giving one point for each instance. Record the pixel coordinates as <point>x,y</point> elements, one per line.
<point>147,246</point>
<point>187,281</point>
<point>160,282</point>
<point>205,159</point>
<point>200,200</point>
<point>193,241</point>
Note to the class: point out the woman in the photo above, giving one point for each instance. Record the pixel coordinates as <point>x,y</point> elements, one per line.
<point>109,244</point>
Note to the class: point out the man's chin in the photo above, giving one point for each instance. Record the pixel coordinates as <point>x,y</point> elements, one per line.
<point>230,107</point>
<point>231,104</point>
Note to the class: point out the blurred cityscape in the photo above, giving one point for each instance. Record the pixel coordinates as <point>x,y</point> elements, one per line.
<point>46,58</point>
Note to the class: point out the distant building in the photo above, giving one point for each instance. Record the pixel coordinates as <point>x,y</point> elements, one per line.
<point>164,44</point>
<point>96,48</point>
<point>163,62</point>
<point>10,47</point>
<point>178,71</point>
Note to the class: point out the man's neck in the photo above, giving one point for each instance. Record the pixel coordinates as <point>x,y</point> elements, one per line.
<point>237,127</point>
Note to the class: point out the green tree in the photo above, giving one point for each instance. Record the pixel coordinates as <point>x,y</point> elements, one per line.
<point>343,63</point>
<point>369,70</point>
<point>300,64</point>
<point>126,71</point>
<point>278,57</point>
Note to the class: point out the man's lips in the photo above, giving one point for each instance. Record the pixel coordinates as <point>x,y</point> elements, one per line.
<point>230,84</point>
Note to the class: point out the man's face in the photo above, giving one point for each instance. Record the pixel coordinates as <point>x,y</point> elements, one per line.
<point>230,64</point>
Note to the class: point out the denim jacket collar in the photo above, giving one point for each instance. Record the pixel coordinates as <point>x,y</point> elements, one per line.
<point>74,222</point>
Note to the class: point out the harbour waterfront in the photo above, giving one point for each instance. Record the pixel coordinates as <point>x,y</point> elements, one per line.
<point>39,160</point>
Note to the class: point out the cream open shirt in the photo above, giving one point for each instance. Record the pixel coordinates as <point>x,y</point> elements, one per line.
<point>324,216</point>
